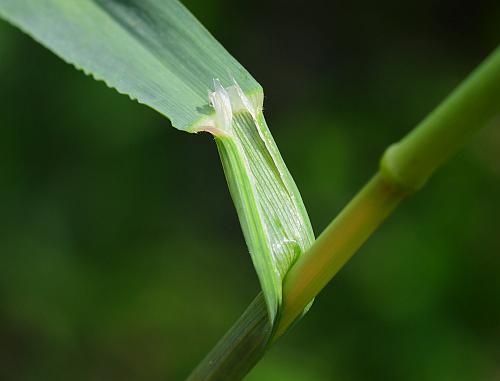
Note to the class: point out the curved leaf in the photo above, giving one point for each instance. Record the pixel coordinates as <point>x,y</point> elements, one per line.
<point>153,50</point>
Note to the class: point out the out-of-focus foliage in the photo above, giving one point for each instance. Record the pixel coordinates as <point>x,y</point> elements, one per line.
<point>93,209</point>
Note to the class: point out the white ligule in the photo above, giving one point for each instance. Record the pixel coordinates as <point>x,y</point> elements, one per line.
<point>226,102</point>
<point>221,102</point>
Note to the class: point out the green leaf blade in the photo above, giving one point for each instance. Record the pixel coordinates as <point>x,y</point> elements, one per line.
<point>155,51</point>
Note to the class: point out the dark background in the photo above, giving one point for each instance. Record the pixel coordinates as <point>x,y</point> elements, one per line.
<point>121,257</point>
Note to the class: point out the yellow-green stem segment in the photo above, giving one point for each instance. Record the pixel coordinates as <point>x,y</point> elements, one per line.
<point>404,168</point>
<point>335,246</point>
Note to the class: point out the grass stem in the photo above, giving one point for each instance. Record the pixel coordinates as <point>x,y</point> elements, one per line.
<point>404,168</point>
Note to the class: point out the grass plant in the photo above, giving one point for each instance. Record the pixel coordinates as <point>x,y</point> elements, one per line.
<point>157,53</point>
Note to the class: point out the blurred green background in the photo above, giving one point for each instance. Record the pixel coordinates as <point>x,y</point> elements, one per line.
<point>121,257</point>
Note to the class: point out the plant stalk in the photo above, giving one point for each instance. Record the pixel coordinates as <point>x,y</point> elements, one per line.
<point>335,246</point>
<point>404,169</point>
